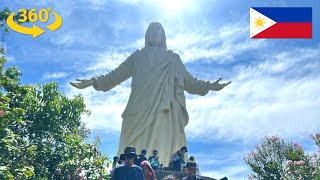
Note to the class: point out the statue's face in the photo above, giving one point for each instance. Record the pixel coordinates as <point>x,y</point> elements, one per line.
<point>155,35</point>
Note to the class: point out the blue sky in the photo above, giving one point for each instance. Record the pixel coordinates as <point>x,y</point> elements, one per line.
<point>275,89</point>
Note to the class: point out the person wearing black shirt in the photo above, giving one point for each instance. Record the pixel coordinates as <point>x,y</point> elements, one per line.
<point>142,157</point>
<point>177,159</point>
<point>129,171</point>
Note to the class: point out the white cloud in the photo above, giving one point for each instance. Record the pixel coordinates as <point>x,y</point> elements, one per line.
<point>106,107</point>
<point>97,4</point>
<point>55,75</point>
<point>131,2</point>
<point>108,60</point>
<point>223,162</point>
<point>205,44</point>
<point>220,45</point>
<point>266,98</point>
<point>231,172</point>
<point>261,100</point>
<point>11,59</point>
<point>214,44</point>
<point>63,39</point>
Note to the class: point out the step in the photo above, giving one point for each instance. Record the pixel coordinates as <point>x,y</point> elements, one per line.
<point>163,173</point>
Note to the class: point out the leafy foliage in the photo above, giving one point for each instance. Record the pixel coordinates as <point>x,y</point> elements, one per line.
<point>4,14</point>
<point>277,159</point>
<point>41,132</point>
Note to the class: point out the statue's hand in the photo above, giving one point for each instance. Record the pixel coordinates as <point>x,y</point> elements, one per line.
<point>82,83</point>
<point>216,86</point>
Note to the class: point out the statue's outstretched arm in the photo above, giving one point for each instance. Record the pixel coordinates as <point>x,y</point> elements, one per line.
<point>193,84</point>
<point>82,83</point>
<point>216,86</point>
<point>110,80</point>
<point>197,86</point>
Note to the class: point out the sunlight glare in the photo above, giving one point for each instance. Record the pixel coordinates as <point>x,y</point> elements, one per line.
<point>173,6</point>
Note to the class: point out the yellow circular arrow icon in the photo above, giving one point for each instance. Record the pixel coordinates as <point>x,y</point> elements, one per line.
<point>35,31</point>
<point>56,24</point>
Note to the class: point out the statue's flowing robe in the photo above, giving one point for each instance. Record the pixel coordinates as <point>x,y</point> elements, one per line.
<point>156,115</point>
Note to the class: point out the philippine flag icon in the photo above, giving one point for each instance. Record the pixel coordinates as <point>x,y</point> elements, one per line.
<point>281,22</point>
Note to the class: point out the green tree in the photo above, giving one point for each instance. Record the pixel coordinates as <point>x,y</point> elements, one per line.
<point>4,14</point>
<point>41,132</point>
<point>277,159</point>
<point>13,148</point>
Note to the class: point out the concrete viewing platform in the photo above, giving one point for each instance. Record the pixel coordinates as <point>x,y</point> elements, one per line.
<point>179,175</point>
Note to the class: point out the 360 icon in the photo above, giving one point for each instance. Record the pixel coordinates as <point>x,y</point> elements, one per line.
<point>33,16</point>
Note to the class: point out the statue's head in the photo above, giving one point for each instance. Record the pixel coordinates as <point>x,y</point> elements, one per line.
<point>155,36</point>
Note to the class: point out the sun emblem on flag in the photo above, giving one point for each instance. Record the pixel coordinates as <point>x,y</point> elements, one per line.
<point>259,22</point>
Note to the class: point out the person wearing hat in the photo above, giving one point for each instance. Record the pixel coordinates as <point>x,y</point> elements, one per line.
<point>192,168</point>
<point>177,159</point>
<point>129,171</point>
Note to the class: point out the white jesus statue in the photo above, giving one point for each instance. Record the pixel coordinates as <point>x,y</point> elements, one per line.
<point>156,114</point>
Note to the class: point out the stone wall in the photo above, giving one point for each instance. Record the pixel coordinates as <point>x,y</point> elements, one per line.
<point>162,174</point>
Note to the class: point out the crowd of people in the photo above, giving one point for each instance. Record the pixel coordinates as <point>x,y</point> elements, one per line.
<point>137,167</point>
